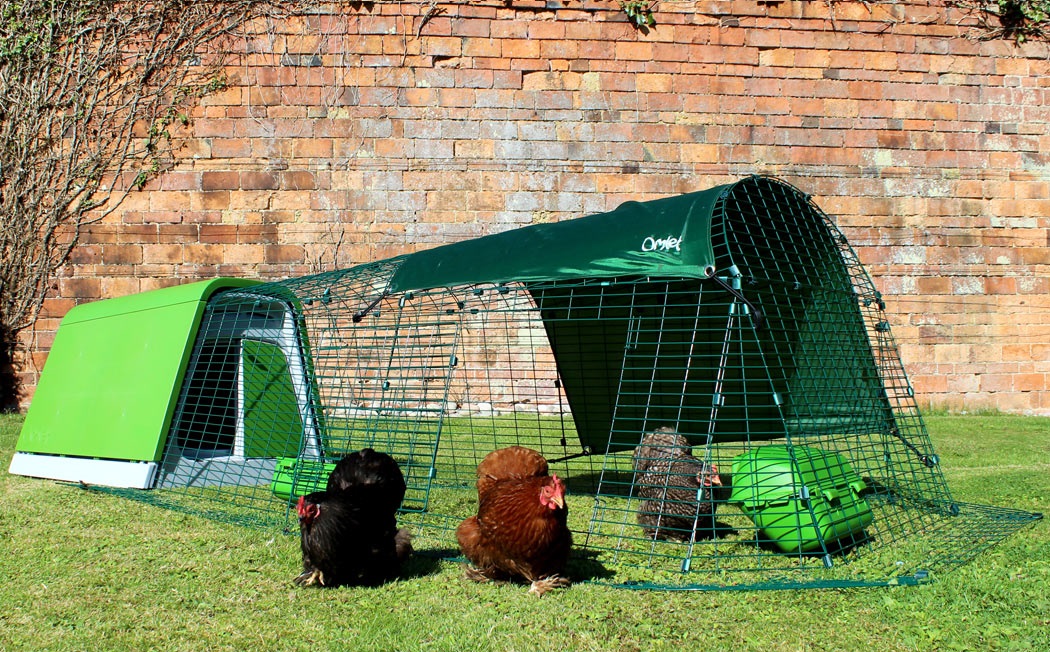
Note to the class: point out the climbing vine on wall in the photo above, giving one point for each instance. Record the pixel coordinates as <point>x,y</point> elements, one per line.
<point>90,92</point>
<point>1018,20</point>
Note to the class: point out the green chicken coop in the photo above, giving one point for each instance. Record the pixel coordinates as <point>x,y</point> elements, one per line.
<point>739,317</point>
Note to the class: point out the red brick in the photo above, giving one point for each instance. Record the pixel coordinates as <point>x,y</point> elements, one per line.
<point>257,233</point>
<point>539,29</point>
<point>86,254</point>
<point>220,181</point>
<point>81,288</point>
<point>311,148</point>
<point>210,201</point>
<point>442,46</point>
<point>126,254</point>
<point>474,79</point>
<point>177,180</point>
<point>259,181</point>
<point>218,233</point>
<point>1030,382</point>
<point>283,254</point>
<point>457,97</point>
<point>520,48</point>
<point>265,95</point>
<point>169,201</point>
<point>243,254</point>
<point>225,148</point>
<point>394,148</point>
<point>934,285</point>
<point>119,287</point>
<point>481,47</point>
<point>98,234</point>
<point>634,51</point>
<point>167,253</point>
<point>298,180</point>
<point>923,145</point>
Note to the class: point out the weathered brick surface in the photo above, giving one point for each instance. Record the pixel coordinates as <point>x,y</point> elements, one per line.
<point>930,150</point>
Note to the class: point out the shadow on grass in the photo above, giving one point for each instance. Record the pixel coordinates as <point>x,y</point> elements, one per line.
<point>428,562</point>
<point>583,565</point>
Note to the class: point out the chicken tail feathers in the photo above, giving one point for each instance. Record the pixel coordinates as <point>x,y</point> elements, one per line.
<point>403,544</point>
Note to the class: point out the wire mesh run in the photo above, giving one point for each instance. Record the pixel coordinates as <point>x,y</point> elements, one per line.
<point>751,429</point>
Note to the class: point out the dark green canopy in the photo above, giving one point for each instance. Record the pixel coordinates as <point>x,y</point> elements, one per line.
<point>668,237</point>
<point>737,348</point>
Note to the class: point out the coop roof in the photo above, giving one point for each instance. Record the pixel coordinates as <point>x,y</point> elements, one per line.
<point>668,237</point>
<point>107,394</point>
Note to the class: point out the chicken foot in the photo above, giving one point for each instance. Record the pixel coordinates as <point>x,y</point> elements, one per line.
<point>542,585</point>
<point>310,577</point>
<point>476,575</point>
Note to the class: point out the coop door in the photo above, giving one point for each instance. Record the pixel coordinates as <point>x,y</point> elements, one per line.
<point>272,426</point>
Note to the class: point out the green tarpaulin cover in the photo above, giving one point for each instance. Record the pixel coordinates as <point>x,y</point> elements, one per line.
<point>668,237</point>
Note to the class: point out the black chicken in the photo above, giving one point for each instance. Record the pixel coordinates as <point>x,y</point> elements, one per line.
<point>368,470</point>
<point>348,532</point>
<point>679,492</point>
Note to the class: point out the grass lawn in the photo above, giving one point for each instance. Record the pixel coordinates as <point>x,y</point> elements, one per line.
<point>89,570</point>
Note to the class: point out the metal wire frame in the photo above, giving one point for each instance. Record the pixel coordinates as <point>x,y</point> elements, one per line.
<point>786,346</point>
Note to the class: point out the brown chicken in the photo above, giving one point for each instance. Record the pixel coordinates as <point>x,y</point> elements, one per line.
<point>520,530</point>
<point>680,493</point>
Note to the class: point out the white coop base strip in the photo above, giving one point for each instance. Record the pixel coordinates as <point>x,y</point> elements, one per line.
<point>111,473</point>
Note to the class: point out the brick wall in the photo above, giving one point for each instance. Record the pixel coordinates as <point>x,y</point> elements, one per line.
<point>352,136</point>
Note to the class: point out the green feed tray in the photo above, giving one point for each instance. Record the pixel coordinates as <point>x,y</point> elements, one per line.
<point>294,477</point>
<point>802,498</point>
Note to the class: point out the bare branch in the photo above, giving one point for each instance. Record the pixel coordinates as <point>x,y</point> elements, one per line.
<point>89,93</point>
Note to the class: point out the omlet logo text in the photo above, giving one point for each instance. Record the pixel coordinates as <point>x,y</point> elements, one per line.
<point>662,244</point>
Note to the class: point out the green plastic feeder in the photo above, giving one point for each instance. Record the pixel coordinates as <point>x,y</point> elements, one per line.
<point>802,498</point>
<point>293,477</point>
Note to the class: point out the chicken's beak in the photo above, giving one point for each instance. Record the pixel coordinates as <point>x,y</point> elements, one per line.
<point>559,500</point>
